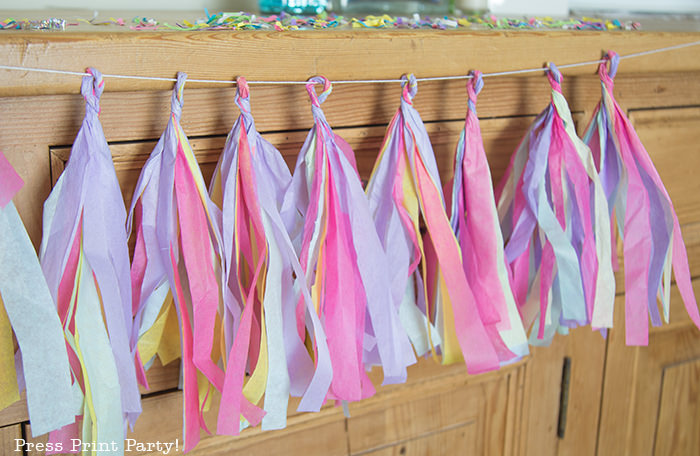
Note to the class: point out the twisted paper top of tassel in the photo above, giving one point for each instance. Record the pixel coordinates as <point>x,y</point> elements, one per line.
<point>608,68</point>
<point>474,86</point>
<point>242,100</point>
<point>177,98</point>
<point>410,87</point>
<point>555,77</point>
<point>92,87</point>
<point>316,100</point>
<point>242,94</point>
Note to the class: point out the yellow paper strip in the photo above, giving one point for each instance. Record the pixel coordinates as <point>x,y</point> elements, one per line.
<point>9,393</point>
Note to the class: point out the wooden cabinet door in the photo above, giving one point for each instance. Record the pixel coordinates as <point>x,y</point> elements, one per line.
<point>561,397</point>
<point>10,438</point>
<point>650,396</point>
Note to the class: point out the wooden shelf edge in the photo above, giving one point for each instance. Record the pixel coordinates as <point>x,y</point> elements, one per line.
<point>345,54</point>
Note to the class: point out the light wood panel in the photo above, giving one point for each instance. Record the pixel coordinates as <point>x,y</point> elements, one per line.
<point>320,437</point>
<point>161,377</point>
<point>357,54</point>
<point>402,413</point>
<point>161,421</point>
<point>137,115</point>
<point>9,436</point>
<point>15,413</point>
<point>447,392</point>
<point>634,383</point>
<point>425,414</point>
<point>459,439</point>
<point>543,383</point>
<point>678,427</point>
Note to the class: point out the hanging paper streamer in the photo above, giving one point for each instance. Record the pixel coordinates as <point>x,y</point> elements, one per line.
<point>27,308</point>
<point>474,220</point>
<point>85,259</point>
<point>653,244</point>
<point>404,185</point>
<point>249,184</point>
<point>176,261</point>
<point>345,267</point>
<point>555,221</point>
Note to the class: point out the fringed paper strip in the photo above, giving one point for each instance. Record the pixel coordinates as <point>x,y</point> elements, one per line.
<point>85,259</point>
<point>647,222</point>
<point>474,220</point>
<point>345,267</point>
<point>249,184</point>
<point>404,185</point>
<point>176,260</point>
<point>556,225</point>
<point>27,308</point>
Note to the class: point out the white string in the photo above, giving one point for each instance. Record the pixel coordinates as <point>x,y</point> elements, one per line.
<point>358,81</point>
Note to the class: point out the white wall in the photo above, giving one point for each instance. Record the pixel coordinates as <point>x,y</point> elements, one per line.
<point>142,5</point>
<point>636,6</point>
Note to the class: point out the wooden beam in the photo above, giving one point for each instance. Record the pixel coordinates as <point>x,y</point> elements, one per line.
<point>348,54</point>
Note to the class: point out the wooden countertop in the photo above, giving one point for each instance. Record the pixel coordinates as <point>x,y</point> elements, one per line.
<point>297,55</point>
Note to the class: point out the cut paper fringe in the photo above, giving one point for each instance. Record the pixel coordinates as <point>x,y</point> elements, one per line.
<point>85,259</point>
<point>474,220</point>
<point>555,221</point>
<point>428,280</point>
<point>177,261</point>
<point>345,267</point>
<point>259,319</point>
<point>646,220</point>
<point>27,308</point>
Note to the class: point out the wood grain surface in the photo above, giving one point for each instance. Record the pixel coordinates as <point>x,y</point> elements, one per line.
<point>298,55</point>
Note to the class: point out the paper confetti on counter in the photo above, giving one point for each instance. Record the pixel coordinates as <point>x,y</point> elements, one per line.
<point>283,21</point>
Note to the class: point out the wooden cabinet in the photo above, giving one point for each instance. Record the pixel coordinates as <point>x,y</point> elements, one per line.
<point>651,399</point>
<point>583,395</point>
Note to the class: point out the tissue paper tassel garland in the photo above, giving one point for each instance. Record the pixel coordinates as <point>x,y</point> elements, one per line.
<point>474,220</point>
<point>345,267</point>
<point>26,306</point>
<point>85,259</point>
<point>259,300</point>
<point>645,216</point>
<point>176,268</point>
<point>555,221</point>
<point>404,185</point>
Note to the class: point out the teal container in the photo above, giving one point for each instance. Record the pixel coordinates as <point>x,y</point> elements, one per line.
<point>306,7</point>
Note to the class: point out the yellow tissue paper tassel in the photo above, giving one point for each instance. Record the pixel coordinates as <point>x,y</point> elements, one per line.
<point>9,393</point>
